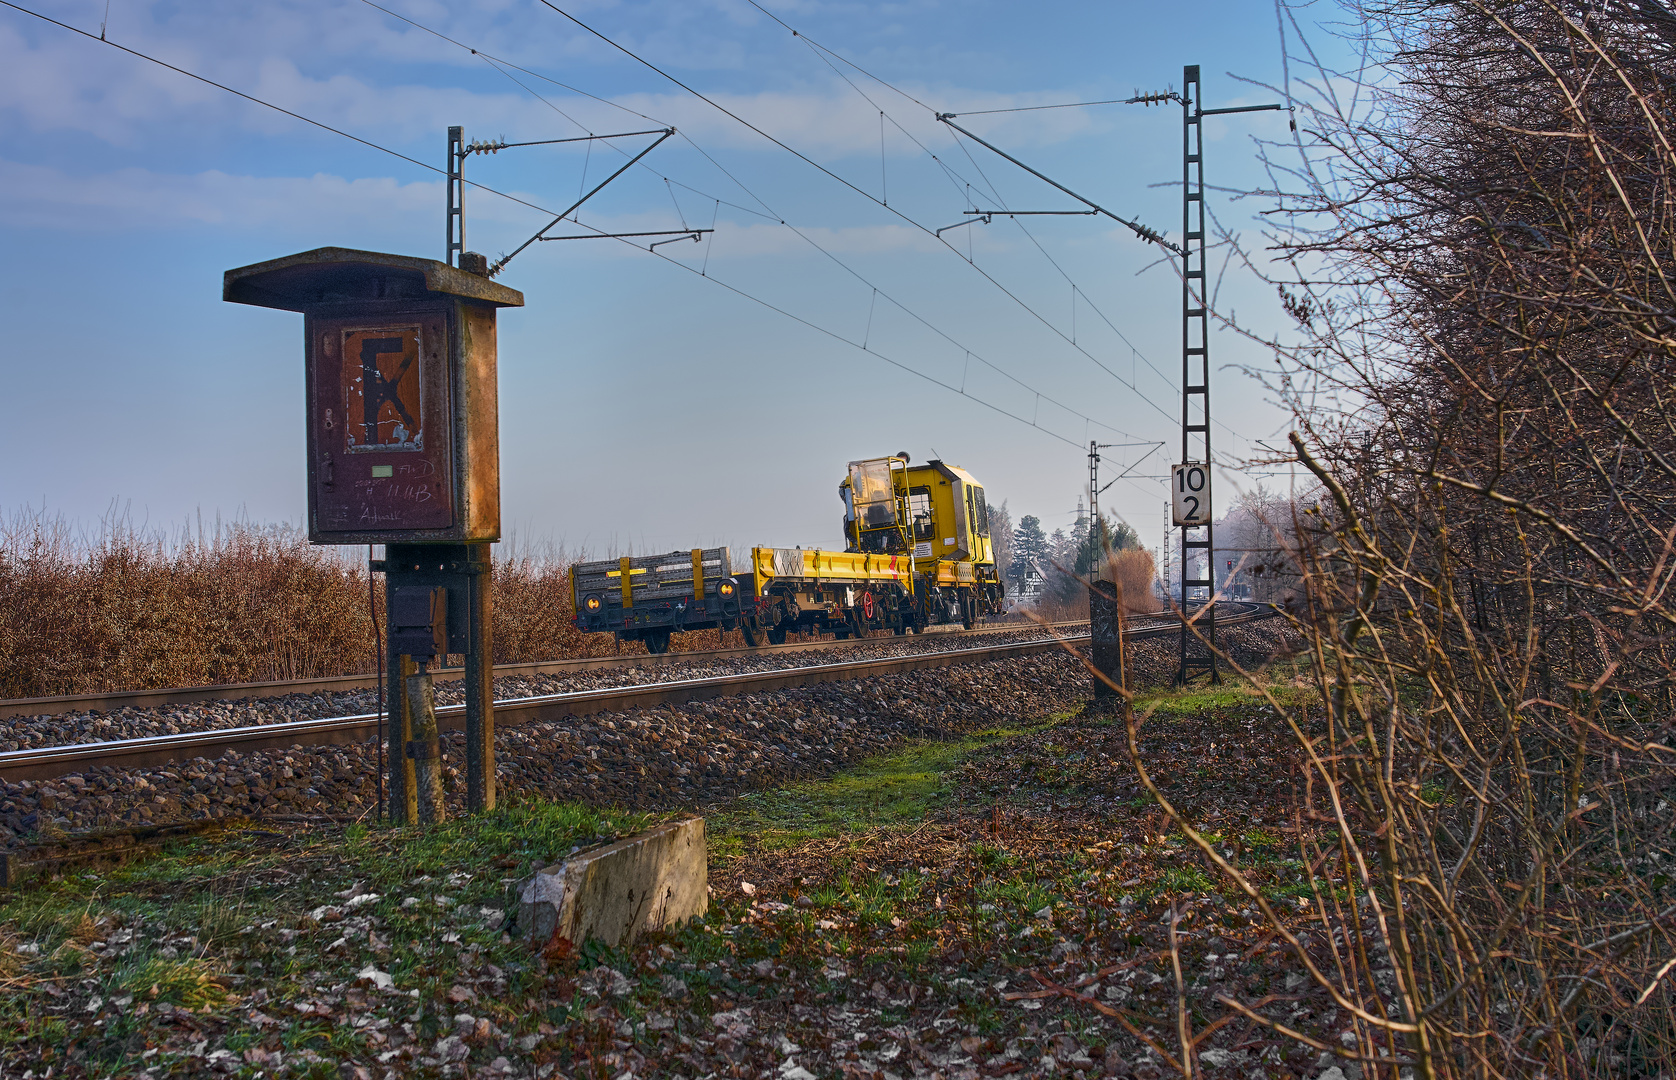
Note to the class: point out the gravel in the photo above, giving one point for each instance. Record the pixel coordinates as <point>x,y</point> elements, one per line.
<point>74,728</point>
<point>676,755</point>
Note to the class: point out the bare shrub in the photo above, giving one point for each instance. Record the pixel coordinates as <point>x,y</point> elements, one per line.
<point>1482,238</point>
<point>126,609</point>
<point>123,608</point>
<point>1135,572</point>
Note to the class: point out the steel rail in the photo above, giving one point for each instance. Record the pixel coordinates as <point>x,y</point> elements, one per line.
<point>45,763</point>
<point>181,695</point>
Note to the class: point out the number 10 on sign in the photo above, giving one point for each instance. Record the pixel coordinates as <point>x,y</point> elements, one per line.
<point>1190,488</point>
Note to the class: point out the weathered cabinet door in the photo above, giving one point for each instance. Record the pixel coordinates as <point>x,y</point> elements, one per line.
<point>379,424</point>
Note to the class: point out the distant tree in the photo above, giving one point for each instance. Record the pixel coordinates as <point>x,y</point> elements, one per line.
<point>1079,558</point>
<point>1001,535</point>
<point>1029,547</point>
<point>1060,549</point>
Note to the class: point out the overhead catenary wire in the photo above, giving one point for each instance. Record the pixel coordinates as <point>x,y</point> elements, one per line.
<point>957,180</point>
<point>534,206</point>
<point>771,213</point>
<point>827,56</point>
<point>813,163</point>
<point>1138,99</point>
<point>512,198</point>
<point>800,233</point>
<point>823,51</point>
<point>265,104</point>
<point>936,234</point>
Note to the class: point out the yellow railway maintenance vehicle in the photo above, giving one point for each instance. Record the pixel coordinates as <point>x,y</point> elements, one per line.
<point>935,515</point>
<point>917,553</point>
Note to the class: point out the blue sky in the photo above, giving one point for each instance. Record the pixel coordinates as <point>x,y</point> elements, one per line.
<point>653,401</point>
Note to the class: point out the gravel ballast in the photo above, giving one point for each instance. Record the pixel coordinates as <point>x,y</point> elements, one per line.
<point>674,755</point>
<point>138,722</point>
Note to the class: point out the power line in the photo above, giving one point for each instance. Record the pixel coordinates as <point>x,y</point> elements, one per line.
<point>498,63</point>
<point>802,235</point>
<point>1140,230</point>
<point>501,65</point>
<point>875,352</point>
<point>823,52</point>
<point>367,143</point>
<point>483,187</point>
<point>1137,99</point>
<point>860,191</point>
<point>265,104</point>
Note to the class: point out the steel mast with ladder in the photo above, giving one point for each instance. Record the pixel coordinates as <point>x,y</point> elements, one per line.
<point>1197,649</point>
<point>1196,655</point>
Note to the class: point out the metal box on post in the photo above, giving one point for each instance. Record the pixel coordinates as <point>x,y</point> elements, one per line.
<point>404,450</point>
<point>403,424</point>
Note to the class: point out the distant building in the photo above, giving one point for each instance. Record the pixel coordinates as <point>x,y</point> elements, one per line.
<point>1031,588</point>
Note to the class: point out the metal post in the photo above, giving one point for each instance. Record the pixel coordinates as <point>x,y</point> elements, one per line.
<point>1104,618</point>
<point>1168,599</point>
<point>464,570</point>
<point>1195,370</point>
<point>480,682</point>
<point>456,196</point>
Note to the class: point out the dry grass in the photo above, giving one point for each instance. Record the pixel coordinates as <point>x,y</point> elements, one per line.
<point>1134,572</point>
<point>125,608</point>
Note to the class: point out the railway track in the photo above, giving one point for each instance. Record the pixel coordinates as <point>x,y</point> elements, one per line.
<point>46,763</point>
<point>182,695</point>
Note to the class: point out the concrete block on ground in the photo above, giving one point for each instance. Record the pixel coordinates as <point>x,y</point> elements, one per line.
<point>649,881</point>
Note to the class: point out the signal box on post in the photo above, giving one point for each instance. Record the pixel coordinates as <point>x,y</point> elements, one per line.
<point>403,427</point>
<point>404,450</point>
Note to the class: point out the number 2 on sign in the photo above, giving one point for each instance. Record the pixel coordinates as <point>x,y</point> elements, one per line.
<point>1190,486</point>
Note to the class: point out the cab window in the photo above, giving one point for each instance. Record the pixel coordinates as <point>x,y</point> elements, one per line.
<point>872,493</point>
<point>919,510</point>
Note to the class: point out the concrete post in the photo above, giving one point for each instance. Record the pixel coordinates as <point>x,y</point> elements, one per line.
<point>424,751</point>
<point>1105,630</point>
<point>403,808</point>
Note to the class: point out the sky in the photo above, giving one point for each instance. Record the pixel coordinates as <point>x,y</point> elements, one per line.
<point>706,392</point>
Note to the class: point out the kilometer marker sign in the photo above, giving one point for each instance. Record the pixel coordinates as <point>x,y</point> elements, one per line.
<point>1190,493</point>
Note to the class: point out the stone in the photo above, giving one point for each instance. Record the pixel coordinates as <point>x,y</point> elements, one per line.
<point>649,881</point>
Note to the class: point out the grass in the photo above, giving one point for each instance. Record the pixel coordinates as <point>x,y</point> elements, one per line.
<point>884,792</point>
<point>884,890</point>
<point>210,918</point>
<point>1164,703</point>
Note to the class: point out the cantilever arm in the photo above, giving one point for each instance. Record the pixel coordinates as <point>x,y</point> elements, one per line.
<point>500,264</point>
<point>1144,232</point>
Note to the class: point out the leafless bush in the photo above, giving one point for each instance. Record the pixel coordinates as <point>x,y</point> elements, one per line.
<point>126,608</point>
<point>1480,232</point>
<point>1134,571</point>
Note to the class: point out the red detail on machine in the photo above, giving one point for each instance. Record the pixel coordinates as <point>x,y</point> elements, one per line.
<point>867,604</point>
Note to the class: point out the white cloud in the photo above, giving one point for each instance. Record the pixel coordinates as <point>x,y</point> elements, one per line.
<point>335,65</point>
<point>42,197</point>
